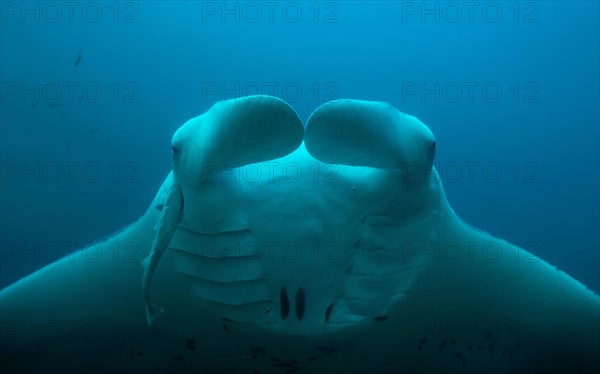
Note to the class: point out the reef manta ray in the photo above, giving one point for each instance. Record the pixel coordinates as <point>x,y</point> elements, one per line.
<point>329,248</point>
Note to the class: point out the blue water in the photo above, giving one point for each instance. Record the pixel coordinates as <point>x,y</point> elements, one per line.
<point>528,131</point>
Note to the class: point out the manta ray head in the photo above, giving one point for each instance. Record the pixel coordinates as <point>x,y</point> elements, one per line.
<point>238,132</point>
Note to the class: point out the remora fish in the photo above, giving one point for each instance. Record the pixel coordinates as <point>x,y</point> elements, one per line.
<point>172,211</point>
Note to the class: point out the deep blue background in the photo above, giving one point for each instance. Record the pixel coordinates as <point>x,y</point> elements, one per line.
<point>361,50</point>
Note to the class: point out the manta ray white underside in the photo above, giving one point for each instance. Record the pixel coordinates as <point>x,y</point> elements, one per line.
<point>278,248</point>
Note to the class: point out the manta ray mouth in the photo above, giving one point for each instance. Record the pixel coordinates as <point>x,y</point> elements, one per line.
<point>273,252</point>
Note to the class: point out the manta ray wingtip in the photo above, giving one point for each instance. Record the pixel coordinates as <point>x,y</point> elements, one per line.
<point>146,262</point>
<point>153,312</point>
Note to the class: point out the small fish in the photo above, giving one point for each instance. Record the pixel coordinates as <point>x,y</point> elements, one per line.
<point>246,356</point>
<point>190,344</point>
<point>78,60</point>
<point>165,228</point>
<point>104,144</point>
<point>224,326</point>
<point>90,133</point>
<point>328,312</point>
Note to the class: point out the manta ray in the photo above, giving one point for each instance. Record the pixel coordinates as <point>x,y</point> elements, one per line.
<point>278,247</point>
